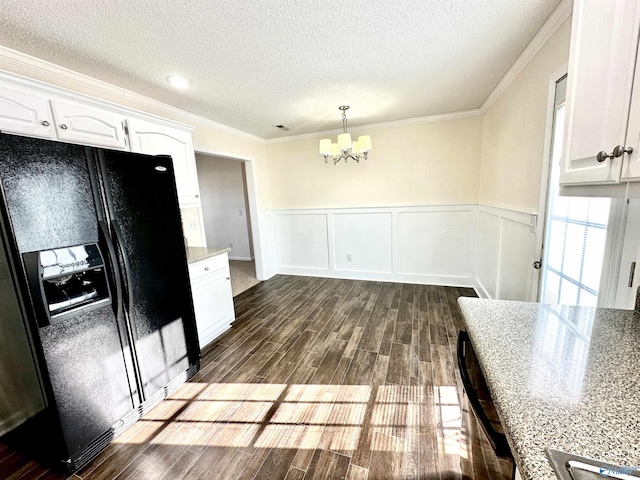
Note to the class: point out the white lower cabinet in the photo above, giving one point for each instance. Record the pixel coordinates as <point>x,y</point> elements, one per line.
<point>212,297</point>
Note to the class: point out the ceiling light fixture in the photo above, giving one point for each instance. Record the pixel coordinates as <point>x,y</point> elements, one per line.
<point>178,82</point>
<point>345,148</point>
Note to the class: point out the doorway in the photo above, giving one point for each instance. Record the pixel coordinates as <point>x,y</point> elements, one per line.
<point>575,233</point>
<point>227,216</point>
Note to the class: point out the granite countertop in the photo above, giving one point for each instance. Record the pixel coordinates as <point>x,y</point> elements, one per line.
<point>197,254</point>
<point>562,377</point>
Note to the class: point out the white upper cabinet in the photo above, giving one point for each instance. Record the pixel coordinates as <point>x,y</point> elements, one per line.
<point>604,39</point>
<point>154,139</point>
<point>25,113</point>
<point>80,123</point>
<point>631,163</point>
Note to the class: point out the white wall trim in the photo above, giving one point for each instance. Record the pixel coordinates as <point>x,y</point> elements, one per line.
<point>510,247</point>
<point>550,26</point>
<point>507,246</point>
<point>54,72</point>
<point>313,242</point>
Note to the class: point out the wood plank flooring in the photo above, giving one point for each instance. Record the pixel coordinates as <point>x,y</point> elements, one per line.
<point>317,379</point>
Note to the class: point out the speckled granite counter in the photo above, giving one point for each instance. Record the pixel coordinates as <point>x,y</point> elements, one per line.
<point>563,377</point>
<point>196,254</point>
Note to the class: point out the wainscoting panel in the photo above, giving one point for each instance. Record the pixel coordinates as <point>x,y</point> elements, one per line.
<point>517,246</point>
<point>362,242</point>
<point>424,244</point>
<point>435,242</point>
<point>302,241</point>
<point>489,248</point>
<point>488,241</point>
<point>505,254</point>
<point>268,247</point>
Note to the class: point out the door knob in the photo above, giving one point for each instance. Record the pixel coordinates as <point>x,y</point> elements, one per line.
<point>602,156</point>
<point>618,151</point>
<point>621,150</point>
<point>537,264</point>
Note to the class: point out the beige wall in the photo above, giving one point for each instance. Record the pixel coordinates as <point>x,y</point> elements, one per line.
<point>429,163</point>
<point>513,131</point>
<point>494,159</point>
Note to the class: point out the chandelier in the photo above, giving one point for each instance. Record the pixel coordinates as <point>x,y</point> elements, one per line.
<point>345,148</point>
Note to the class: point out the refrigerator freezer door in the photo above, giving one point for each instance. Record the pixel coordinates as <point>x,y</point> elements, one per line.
<point>47,188</point>
<point>145,222</point>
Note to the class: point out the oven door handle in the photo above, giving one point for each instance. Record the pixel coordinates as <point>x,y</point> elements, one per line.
<point>497,440</point>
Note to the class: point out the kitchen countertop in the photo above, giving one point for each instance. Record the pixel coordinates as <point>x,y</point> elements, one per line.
<point>562,377</point>
<point>197,254</point>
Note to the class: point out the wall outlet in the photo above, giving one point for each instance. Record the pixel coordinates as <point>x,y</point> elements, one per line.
<point>348,257</point>
<point>192,226</point>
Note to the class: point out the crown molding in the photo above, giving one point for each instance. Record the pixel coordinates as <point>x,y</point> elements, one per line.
<point>10,60</point>
<point>550,26</point>
<point>373,126</point>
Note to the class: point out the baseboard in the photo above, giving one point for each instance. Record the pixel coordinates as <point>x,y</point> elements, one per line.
<point>445,280</point>
<point>481,291</point>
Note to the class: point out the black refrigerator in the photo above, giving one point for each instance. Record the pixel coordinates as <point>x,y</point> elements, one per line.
<point>93,240</point>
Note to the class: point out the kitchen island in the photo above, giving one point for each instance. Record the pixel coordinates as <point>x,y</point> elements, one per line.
<point>561,377</point>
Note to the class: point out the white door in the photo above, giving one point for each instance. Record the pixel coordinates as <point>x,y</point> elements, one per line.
<point>25,113</point>
<point>604,36</point>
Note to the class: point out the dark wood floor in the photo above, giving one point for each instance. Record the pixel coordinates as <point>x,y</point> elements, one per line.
<point>318,378</point>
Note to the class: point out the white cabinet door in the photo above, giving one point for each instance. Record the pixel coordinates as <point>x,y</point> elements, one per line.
<point>631,162</point>
<point>78,123</point>
<point>25,113</point>
<point>604,37</point>
<point>212,297</point>
<point>154,139</point>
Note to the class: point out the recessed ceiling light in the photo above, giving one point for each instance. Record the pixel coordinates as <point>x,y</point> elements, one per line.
<point>178,82</point>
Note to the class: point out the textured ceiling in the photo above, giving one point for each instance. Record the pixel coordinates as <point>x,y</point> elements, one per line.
<point>256,64</point>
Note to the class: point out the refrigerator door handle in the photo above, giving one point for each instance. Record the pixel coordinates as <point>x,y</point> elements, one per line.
<point>127,266</point>
<point>114,265</point>
<point>133,334</point>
